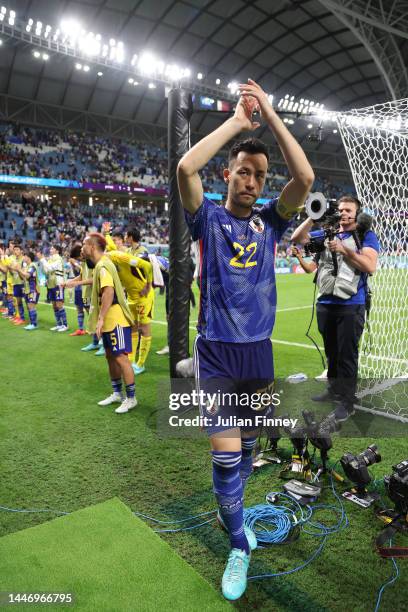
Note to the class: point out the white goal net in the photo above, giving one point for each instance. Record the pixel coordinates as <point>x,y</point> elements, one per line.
<point>376,143</point>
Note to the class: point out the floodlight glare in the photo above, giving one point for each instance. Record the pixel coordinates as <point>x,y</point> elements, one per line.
<point>86,68</point>
<point>99,73</point>
<point>45,56</point>
<point>310,125</point>
<point>334,131</point>
<point>130,80</point>
<point>36,53</point>
<point>78,66</point>
<point>217,81</point>
<point>147,63</point>
<point>200,76</point>
<point>152,86</point>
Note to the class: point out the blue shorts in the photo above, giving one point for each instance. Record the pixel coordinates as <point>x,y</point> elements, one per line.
<point>119,340</point>
<point>239,377</point>
<point>78,297</point>
<point>56,294</point>
<point>18,291</point>
<point>32,298</point>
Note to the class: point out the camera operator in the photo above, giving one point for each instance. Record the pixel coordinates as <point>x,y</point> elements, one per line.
<point>342,299</point>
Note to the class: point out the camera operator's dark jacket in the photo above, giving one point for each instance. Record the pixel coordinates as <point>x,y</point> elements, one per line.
<point>345,284</point>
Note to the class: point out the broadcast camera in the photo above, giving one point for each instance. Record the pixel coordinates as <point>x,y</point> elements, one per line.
<point>319,434</point>
<point>397,486</point>
<point>325,212</point>
<point>356,469</point>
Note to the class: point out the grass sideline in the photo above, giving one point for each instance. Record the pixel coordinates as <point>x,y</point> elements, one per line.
<point>60,450</point>
<point>62,556</point>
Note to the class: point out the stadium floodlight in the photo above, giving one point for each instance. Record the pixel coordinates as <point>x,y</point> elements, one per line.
<point>334,131</point>
<point>310,125</point>
<point>45,56</point>
<point>146,63</point>
<point>78,66</point>
<point>36,54</point>
<point>134,59</point>
<point>12,17</point>
<point>200,76</point>
<point>86,68</point>
<point>233,87</point>
<point>130,80</point>
<point>105,50</point>
<point>120,53</point>
<point>218,81</point>
<point>38,28</point>
<point>47,31</point>
<point>152,86</point>
<point>99,74</point>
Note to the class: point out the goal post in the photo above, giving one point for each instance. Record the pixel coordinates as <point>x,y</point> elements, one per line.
<point>376,143</point>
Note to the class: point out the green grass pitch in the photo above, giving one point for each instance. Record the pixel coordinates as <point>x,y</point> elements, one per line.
<point>59,450</point>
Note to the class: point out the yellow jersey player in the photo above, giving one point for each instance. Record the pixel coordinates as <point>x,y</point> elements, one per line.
<point>16,262</point>
<point>133,242</point>
<point>111,320</point>
<point>136,275</point>
<point>54,271</point>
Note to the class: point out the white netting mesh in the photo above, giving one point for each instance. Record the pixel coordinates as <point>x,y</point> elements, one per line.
<point>376,142</point>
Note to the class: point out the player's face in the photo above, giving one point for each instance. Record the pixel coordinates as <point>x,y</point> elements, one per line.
<point>17,251</point>
<point>348,212</point>
<point>53,250</point>
<point>246,177</point>
<point>119,242</point>
<point>87,249</point>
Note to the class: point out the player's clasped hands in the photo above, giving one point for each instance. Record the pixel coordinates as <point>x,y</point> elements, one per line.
<point>255,92</point>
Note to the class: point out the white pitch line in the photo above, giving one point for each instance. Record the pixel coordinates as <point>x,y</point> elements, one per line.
<point>285,342</point>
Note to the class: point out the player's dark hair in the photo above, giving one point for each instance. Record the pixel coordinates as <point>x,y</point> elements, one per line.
<point>98,240</point>
<point>118,234</point>
<point>31,255</point>
<point>75,252</point>
<point>133,233</point>
<point>250,145</point>
<point>348,197</point>
<point>58,248</point>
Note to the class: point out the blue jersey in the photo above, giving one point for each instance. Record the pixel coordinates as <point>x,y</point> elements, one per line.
<point>237,276</point>
<point>370,240</point>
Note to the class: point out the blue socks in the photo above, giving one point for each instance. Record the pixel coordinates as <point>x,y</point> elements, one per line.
<point>21,310</point>
<point>63,317</point>
<point>81,319</point>
<point>10,306</point>
<point>95,341</point>
<point>130,390</point>
<point>117,385</point>
<point>245,467</point>
<point>57,317</point>
<point>33,317</point>
<point>228,492</point>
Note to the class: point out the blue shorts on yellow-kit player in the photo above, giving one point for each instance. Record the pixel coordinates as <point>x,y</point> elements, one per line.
<point>56,294</point>
<point>118,341</point>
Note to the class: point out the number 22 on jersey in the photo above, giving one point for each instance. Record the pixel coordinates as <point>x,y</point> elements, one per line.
<point>238,260</point>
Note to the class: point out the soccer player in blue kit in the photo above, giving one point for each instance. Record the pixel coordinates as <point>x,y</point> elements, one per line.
<point>233,350</point>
